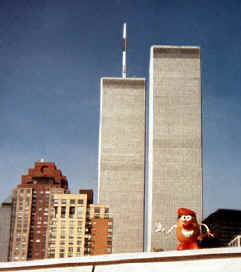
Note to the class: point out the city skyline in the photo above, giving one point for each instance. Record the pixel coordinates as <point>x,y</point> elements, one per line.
<point>47,221</point>
<point>53,56</point>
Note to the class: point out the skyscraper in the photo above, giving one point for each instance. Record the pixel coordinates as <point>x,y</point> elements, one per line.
<point>122,158</point>
<point>175,143</point>
<point>32,210</point>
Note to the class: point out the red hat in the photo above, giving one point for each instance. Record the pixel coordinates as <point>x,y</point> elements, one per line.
<point>184,211</point>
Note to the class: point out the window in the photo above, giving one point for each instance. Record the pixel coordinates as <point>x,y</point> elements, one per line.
<point>80,201</point>
<point>108,250</point>
<point>63,212</point>
<point>72,201</point>
<point>63,201</point>
<point>71,229</point>
<point>80,215</point>
<point>97,210</point>
<point>63,229</point>
<point>71,212</point>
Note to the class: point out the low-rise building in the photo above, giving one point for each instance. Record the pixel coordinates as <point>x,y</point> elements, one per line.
<point>225,224</point>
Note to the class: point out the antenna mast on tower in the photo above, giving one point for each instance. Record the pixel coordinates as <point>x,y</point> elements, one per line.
<point>124,52</point>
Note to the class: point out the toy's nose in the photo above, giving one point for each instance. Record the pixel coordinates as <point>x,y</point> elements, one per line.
<point>187,225</point>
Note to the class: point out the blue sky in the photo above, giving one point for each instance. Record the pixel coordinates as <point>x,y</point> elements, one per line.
<point>53,54</point>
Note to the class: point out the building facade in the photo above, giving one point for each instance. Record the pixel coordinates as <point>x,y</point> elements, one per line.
<point>5,227</point>
<point>101,230</point>
<point>32,210</point>
<point>175,139</point>
<point>67,228</point>
<point>77,227</point>
<point>121,176</point>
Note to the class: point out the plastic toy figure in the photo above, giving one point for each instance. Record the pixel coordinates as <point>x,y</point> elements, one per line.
<point>188,230</point>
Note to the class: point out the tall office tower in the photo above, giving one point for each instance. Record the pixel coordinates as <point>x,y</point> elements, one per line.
<point>32,205</point>
<point>121,173</point>
<point>175,159</point>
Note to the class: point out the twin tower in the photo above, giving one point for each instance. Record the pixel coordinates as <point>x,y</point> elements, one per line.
<point>145,175</point>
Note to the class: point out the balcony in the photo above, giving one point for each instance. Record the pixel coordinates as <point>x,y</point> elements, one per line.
<point>204,260</point>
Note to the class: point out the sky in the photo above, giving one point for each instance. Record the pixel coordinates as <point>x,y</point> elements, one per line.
<point>53,54</point>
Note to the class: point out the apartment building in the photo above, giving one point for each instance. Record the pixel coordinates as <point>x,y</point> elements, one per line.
<point>67,228</point>
<point>32,209</point>
<point>101,230</point>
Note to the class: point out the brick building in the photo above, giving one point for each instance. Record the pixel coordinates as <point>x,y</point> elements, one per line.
<point>43,220</point>
<point>101,229</point>
<point>32,210</point>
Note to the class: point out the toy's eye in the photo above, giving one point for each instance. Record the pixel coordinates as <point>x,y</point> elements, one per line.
<point>183,218</point>
<point>188,218</point>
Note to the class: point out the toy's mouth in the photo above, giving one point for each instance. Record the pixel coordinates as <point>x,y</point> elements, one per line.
<point>187,233</point>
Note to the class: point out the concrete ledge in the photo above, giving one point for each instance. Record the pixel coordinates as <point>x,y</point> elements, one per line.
<point>201,260</point>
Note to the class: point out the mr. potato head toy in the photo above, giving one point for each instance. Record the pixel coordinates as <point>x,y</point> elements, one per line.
<point>188,230</point>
